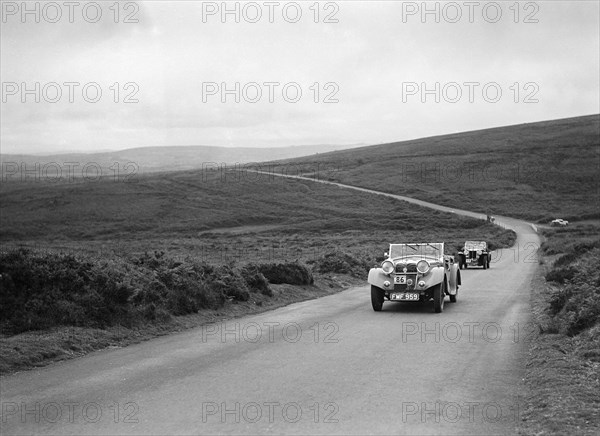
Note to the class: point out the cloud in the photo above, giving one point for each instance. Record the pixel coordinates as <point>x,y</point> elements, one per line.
<point>366,58</point>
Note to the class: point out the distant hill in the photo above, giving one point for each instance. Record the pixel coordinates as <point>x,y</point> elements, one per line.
<point>537,171</point>
<point>156,159</point>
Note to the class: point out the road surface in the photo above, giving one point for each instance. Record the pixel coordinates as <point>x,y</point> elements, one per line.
<point>326,366</point>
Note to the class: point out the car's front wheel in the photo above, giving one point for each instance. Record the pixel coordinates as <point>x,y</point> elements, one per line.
<point>485,262</point>
<point>439,294</point>
<point>376,298</point>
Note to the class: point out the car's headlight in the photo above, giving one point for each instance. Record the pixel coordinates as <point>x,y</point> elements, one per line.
<point>423,266</point>
<point>479,252</point>
<point>387,266</point>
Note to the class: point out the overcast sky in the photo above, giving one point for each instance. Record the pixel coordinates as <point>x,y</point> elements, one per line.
<point>371,66</point>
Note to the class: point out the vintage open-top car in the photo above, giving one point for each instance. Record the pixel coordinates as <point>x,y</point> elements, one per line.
<point>413,273</point>
<point>474,253</point>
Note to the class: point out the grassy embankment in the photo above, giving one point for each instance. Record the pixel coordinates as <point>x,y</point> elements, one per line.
<point>564,362</point>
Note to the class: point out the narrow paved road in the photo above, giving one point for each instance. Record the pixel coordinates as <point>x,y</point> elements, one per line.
<point>326,366</point>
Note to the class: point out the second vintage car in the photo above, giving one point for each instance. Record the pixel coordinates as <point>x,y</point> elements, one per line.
<point>415,273</point>
<point>474,253</point>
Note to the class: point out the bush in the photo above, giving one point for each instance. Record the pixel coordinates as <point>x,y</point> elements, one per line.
<point>179,287</point>
<point>560,275</point>
<point>563,269</point>
<point>230,283</point>
<point>576,306</point>
<point>342,263</point>
<point>291,273</point>
<point>256,281</point>
<point>39,291</point>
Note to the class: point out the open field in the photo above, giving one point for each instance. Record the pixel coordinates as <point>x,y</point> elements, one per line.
<point>192,213</point>
<point>538,171</point>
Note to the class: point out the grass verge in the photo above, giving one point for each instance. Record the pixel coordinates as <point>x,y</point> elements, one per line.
<point>39,348</point>
<point>563,366</point>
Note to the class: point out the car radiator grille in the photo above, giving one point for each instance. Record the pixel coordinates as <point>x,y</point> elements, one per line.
<point>411,267</point>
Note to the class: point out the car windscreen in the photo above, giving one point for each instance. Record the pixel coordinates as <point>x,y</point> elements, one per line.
<point>475,245</point>
<point>421,250</point>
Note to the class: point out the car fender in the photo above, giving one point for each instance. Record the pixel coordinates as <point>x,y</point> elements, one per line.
<point>377,277</point>
<point>434,277</point>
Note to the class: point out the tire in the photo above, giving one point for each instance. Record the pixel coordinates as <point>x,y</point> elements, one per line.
<point>458,283</point>
<point>485,263</point>
<point>376,298</point>
<point>438,298</point>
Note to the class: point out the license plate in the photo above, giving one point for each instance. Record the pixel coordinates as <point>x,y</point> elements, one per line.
<point>400,280</point>
<point>405,296</point>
